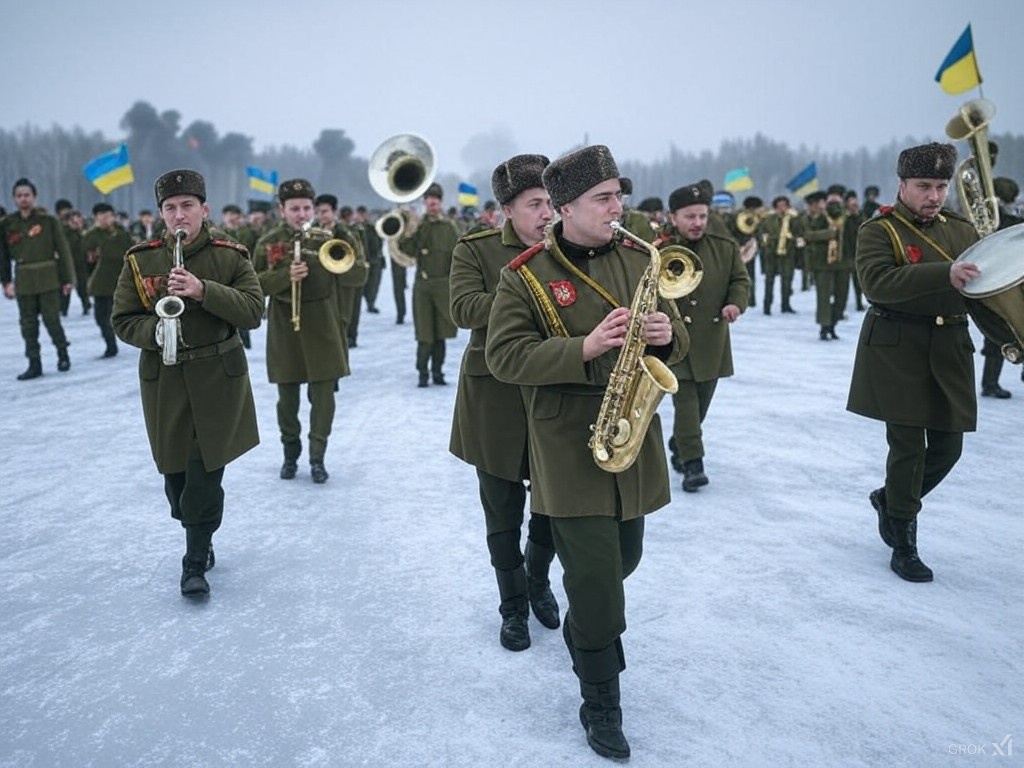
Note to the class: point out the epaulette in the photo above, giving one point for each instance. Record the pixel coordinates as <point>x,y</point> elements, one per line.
<point>526,255</point>
<point>232,244</point>
<point>629,243</point>
<point>477,235</point>
<point>144,246</point>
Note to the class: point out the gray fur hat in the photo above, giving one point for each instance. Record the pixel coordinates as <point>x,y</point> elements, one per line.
<point>571,175</point>
<point>180,182</point>
<point>927,161</point>
<point>517,174</point>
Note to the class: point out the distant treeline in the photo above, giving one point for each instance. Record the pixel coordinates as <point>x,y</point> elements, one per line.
<point>53,159</point>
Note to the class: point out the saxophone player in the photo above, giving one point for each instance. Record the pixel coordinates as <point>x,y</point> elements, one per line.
<point>708,312</point>
<point>556,326</point>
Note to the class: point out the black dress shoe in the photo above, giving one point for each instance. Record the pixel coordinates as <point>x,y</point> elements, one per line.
<point>823,335</point>
<point>832,333</point>
<point>63,361</point>
<point>439,379</point>
<point>193,580</point>
<point>110,352</point>
<point>693,475</point>
<point>352,343</point>
<point>34,370</point>
<point>424,381</point>
<point>788,310</point>
<point>995,391</point>
<point>373,310</point>
<point>318,473</point>
<point>288,469</point>
<point>400,321</point>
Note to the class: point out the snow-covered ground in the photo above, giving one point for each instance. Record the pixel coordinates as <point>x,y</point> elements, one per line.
<point>356,623</point>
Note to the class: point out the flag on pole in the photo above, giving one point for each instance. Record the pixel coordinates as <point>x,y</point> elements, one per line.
<point>262,181</point>
<point>468,196</point>
<point>738,180</point>
<point>109,171</point>
<point>804,182</point>
<point>959,71</point>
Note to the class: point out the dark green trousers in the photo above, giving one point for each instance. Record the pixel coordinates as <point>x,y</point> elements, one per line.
<point>918,460</point>
<point>196,495</point>
<point>841,294</point>
<point>691,401</point>
<point>29,309</point>
<point>783,267</point>
<point>825,290</point>
<point>321,415</point>
<point>503,502</point>
<point>597,554</point>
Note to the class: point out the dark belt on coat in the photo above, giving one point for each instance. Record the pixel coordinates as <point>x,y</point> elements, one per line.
<point>209,350</point>
<point>906,317</point>
<point>422,275</point>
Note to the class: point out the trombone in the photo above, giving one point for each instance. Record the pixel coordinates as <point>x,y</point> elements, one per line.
<point>335,255</point>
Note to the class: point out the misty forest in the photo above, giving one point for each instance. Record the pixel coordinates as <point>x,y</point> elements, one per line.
<point>53,158</point>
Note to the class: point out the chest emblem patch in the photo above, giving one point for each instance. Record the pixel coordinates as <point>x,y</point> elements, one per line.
<point>913,254</point>
<point>276,252</point>
<point>35,229</point>
<point>155,285</point>
<point>564,292</point>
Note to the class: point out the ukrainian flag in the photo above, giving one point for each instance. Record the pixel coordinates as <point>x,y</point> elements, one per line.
<point>804,182</point>
<point>262,181</point>
<point>468,197</point>
<point>738,180</point>
<point>959,72</point>
<point>110,171</point>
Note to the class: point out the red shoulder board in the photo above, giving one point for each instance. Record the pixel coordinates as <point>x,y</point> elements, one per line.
<point>884,210</point>
<point>145,246</point>
<point>233,245</point>
<point>525,256</point>
<point>629,243</point>
<point>660,240</point>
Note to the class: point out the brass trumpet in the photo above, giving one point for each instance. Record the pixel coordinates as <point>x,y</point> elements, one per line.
<point>335,255</point>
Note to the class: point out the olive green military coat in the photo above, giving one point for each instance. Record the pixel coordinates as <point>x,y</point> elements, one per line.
<point>207,395</point>
<point>563,394</point>
<point>639,223</point>
<point>37,247</point>
<point>913,373</point>
<point>770,231</point>
<point>725,281</point>
<point>818,232</point>
<point>489,424</point>
<point>431,244</point>
<point>105,248</point>
<point>316,352</point>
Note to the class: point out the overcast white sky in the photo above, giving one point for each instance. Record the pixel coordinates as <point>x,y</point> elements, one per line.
<point>639,76</point>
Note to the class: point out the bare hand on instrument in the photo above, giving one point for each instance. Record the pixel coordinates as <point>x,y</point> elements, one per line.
<point>962,272</point>
<point>730,312</point>
<point>181,282</point>
<point>298,271</point>
<point>609,334</point>
<point>9,290</point>
<point>657,329</point>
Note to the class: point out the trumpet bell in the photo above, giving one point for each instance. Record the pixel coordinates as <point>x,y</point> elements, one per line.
<point>681,272</point>
<point>972,116</point>
<point>402,167</point>
<point>337,256</point>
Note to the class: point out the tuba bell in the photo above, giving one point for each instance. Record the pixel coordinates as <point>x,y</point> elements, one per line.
<point>402,167</point>
<point>974,183</point>
<point>747,221</point>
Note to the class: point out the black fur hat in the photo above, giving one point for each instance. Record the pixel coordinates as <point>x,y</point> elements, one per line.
<point>815,197</point>
<point>295,188</point>
<point>180,182</point>
<point>651,205</point>
<point>435,190</point>
<point>571,175</point>
<point>517,174</point>
<point>927,161</point>
<point>1006,189</point>
<point>753,202</point>
<point>698,193</point>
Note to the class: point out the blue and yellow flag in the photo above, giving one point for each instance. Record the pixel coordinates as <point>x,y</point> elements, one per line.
<point>468,196</point>
<point>959,72</point>
<point>804,182</point>
<point>262,181</point>
<point>110,171</point>
<point>738,180</point>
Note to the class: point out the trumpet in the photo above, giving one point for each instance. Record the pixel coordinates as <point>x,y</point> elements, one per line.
<point>170,309</point>
<point>335,255</point>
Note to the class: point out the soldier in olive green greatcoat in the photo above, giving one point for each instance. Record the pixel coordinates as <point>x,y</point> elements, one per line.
<point>780,232</point>
<point>431,244</point>
<point>822,253</point>
<point>349,284</point>
<point>198,407</point>
<point>914,368</point>
<point>314,352</point>
<point>105,244</point>
<point>489,425</point>
<point>854,217</point>
<point>373,247</point>
<point>718,301</point>
<point>559,318</point>
<point>43,269</point>
<point>74,229</point>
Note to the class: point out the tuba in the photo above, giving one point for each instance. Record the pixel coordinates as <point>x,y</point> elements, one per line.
<point>638,381</point>
<point>974,183</point>
<point>170,309</point>
<point>400,171</point>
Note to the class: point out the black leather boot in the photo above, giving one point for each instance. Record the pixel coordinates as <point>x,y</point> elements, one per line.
<point>674,460</point>
<point>292,451</point>
<point>693,475</point>
<point>823,334</point>
<point>877,499</point>
<point>542,601</point>
<point>318,472</point>
<point>990,378</point>
<point>832,333</point>
<point>514,609</point>
<point>197,561</point>
<point>905,561</point>
<point>601,713</point>
<point>63,361</point>
<point>34,370</point>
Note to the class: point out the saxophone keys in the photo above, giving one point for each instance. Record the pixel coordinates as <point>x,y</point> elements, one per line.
<point>623,430</point>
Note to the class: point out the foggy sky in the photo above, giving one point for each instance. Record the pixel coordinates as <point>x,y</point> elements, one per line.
<point>641,76</point>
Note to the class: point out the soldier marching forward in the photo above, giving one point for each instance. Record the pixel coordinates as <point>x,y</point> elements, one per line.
<point>199,411</point>
<point>105,244</point>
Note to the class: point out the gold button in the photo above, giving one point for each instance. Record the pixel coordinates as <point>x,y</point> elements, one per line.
<point>940,320</point>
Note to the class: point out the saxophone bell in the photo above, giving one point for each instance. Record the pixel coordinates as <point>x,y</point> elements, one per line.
<point>170,309</point>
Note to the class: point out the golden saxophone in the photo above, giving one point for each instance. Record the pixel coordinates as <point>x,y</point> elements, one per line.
<point>784,234</point>
<point>639,381</point>
<point>170,309</point>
